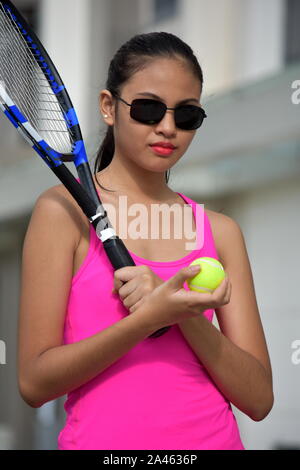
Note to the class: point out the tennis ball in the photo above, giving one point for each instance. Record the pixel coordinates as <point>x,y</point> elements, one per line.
<point>209,277</point>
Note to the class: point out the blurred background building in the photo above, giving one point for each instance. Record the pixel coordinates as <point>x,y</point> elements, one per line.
<point>244,162</point>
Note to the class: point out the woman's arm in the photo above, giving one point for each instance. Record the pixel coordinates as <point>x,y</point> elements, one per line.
<point>236,357</point>
<point>47,368</point>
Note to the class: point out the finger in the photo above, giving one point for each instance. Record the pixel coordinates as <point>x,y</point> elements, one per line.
<point>208,299</point>
<point>134,307</point>
<point>221,289</point>
<point>221,292</point>
<point>176,281</point>
<point>127,289</point>
<point>131,300</point>
<point>127,273</point>
<point>117,285</point>
<point>123,275</point>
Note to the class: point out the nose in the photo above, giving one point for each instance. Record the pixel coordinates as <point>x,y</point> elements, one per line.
<point>167,125</point>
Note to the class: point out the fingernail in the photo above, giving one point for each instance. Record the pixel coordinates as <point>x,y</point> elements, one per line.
<point>195,268</point>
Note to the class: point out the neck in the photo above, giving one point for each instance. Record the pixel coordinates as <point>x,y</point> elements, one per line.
<point>126,177</point>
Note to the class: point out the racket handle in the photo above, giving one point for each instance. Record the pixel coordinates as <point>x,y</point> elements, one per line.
<point>114,247</point>
<point>117,253</point>
<point>119,258</point>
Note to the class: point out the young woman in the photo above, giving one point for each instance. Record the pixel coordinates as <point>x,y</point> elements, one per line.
<point>85,330</point>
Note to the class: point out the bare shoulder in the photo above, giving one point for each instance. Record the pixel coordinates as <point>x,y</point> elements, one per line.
<point>217,219</point>
<point>225,230</point>
<point>57,208</point>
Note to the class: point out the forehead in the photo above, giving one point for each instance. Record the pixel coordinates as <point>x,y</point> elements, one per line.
<point>166,78</point>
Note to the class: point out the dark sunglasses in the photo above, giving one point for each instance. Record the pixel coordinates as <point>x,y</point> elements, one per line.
<point>148,111</point>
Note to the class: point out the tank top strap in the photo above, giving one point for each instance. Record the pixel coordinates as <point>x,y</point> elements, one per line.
<point>200,220</point>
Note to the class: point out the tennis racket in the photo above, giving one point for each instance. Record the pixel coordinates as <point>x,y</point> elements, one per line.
<point>35,100</point>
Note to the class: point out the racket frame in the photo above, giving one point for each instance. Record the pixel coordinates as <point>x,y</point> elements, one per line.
<point>85,193</point>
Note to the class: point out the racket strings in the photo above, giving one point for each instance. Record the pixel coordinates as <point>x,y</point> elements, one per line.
<point>35,110</point>
<point>26,83</point>
<point>24,95</point>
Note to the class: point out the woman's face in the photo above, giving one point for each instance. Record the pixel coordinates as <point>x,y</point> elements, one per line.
<point>172,81</point>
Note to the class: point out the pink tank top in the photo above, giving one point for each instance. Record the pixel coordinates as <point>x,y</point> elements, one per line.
<point>158,395</point>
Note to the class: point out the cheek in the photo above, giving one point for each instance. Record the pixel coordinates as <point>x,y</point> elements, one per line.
<point>185,140</point>
<point>132,139</point>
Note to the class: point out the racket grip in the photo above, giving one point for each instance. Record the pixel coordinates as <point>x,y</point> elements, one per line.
<point>119,258</point>
<point>117,253</point>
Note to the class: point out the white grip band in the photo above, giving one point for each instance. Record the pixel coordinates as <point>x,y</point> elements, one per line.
<point>106,234</point>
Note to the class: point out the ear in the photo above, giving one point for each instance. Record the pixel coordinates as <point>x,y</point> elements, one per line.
<point>107,107</point>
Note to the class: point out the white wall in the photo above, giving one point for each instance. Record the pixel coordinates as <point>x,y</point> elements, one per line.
<point>235,41</point>
<point>259,39</point>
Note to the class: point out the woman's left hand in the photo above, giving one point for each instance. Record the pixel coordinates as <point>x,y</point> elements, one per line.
<point>133,284</point>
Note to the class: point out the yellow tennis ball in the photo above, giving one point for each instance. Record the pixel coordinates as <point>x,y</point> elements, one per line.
<point>209,277</point>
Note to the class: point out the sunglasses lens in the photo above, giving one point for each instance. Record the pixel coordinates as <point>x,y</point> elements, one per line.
<point>189,117</point>
<point>147,111</point>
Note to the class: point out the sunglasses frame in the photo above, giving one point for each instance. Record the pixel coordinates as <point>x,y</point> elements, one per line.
<point>166,109</point>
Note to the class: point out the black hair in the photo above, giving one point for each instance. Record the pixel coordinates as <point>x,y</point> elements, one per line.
<point>132,57</point>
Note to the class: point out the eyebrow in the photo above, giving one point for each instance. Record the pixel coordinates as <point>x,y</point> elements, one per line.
<point>152,95</point>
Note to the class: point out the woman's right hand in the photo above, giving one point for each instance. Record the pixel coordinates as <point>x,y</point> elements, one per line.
<point>171,303</point>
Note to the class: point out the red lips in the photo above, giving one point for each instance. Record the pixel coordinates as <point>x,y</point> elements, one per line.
<point>166,145</point>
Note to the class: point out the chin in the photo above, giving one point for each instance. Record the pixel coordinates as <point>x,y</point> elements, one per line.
<point>161,164</point>
<point>159,169</point>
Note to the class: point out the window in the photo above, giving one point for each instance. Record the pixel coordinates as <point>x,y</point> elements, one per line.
<point>292,32</point>
<point>165,9</point>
